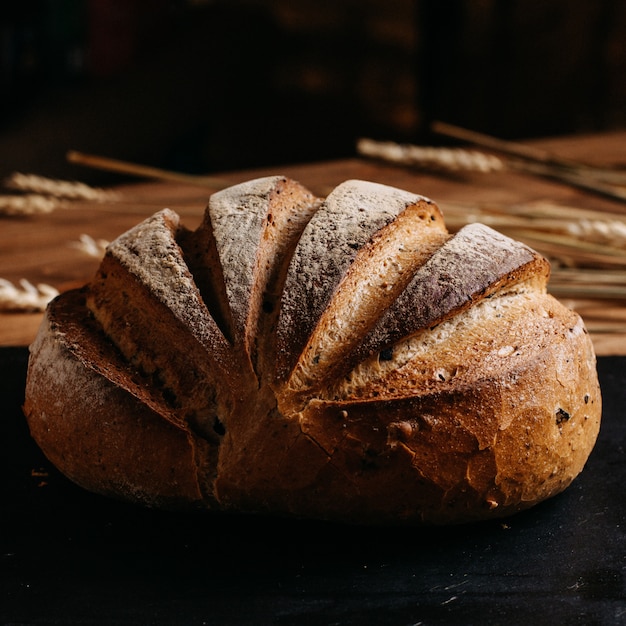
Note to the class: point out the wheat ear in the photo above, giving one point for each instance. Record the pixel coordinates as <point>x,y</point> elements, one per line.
<point>54,188</point>
<point>26,297</point>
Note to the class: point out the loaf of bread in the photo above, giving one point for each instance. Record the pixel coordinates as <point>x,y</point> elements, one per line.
<point>344,359</point>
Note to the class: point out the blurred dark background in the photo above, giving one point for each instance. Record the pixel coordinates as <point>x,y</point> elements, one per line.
<point>203,86</point>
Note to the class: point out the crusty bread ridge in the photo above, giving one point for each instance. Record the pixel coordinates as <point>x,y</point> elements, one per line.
<point>342,358</point>
<point>103,423</point>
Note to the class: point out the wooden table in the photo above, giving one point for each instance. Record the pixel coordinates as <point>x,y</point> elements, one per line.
<point>42,248</point>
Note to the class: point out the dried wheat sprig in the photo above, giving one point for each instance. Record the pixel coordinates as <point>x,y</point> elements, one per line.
<point>537,209</point>
<point>574,290</point>
<point>531,160</point>
<point>570,251</point>
<point>429,157</point>
<point>586,225</point>
<point>609,232</point>
<point>143,171</point>
<point>589,275</point>
<point>29,204</point>
<point>90,246</point>
<point>600,232</point>
<point>59,188</point>
<point>589,283</point>
<point>584,237</point>
<point>25,298</point>
<point>520,158</point>
<point>529,153</point>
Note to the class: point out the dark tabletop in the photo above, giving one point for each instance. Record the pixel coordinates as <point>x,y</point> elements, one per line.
<point>69,557</point>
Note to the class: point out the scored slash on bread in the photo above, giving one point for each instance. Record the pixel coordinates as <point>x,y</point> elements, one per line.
<point>344,358</point>
<point>144,270</point>
<point>249,234</point>
<point>474,264</point>
<point>154,459</point>
<point>355,257</point>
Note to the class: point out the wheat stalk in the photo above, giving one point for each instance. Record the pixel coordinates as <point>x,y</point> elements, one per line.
<point>26,297</point>
<point>42,195</point>
<point>90,246</point>
<point>610,232</point>
<point>429,157</point>
<point>55,188</point>
<point>29,204</point>
<point>567,235</point>
<point>531,160</point>
<point>519,158</point>
<point>587,249</point>
<point>143,171</point>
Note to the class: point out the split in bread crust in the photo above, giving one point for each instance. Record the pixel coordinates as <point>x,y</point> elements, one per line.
<point>344,358</point>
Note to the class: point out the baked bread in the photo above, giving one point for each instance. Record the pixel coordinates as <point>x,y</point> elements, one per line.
<point>344,359</point>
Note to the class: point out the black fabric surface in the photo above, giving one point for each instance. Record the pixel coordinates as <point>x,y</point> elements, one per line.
<point>70,557</point>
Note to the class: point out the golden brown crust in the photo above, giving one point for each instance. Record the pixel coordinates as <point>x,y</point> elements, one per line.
<point>468,393</point>
<point>492,442</point>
